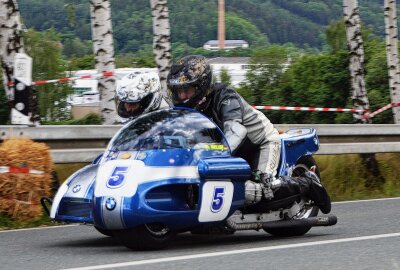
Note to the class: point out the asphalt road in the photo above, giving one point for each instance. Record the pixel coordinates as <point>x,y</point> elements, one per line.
<point>367,236</point>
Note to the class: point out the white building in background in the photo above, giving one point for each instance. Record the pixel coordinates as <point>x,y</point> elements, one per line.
<point>228,44</point>
<point>236,67</point>
<point>85,91</point>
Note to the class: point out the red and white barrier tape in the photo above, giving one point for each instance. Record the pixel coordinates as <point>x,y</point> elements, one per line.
<point>312,109</point>
<point>384,108</point>
<point>7,169</point>
<point>366,114</point>
<point>62,80</point>
<point>279,108</point>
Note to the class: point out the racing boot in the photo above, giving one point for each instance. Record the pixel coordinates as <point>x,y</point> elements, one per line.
<point>308,186</point>
<point>318,193</point>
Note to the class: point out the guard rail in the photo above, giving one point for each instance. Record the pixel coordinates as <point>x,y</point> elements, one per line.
<point>70,144</point>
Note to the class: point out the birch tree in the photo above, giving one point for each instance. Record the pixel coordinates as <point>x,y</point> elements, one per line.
<point>11,41</point>
<point>103,48</point>
<point>356,53</point>
<point>392,55</point>
<point>23,104</point>
<point>359,92</point>
<point>161,41</point>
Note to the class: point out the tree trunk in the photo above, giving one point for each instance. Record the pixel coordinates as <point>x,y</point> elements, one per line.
<point>392,55</point>
<point>161,41</point>
<point>23,107</point>
<point>104,52</point>
<point>11,41</point>
<point>356,52</point>
<point>373,177</point>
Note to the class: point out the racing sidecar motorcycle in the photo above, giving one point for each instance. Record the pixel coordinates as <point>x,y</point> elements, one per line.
<point>172,171</point>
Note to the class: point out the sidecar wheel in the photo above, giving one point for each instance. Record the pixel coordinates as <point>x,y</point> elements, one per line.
<point>146,237</point>
<point>303,164</point>
<point>104,231</point>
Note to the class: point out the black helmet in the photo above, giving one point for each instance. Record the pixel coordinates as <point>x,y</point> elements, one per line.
<point>190,71</point>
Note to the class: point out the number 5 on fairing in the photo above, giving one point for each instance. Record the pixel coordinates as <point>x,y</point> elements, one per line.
<point>218,199</point>
<point>117,178</point>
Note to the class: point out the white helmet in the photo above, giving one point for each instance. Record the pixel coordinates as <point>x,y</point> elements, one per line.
<point>138,93</point>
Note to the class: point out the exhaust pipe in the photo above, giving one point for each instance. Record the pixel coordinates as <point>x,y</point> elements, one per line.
<point>293,223</point>
<point>282,224</point>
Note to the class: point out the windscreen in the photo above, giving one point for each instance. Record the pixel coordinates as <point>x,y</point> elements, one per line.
<point>167,129</point>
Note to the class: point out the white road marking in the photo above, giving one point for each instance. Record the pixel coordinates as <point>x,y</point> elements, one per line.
<point>233,252</point>
<point>38,228</point>
<point>369,200</point>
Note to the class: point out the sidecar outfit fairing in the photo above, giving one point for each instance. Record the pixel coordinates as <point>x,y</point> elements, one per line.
<point>171,166</point>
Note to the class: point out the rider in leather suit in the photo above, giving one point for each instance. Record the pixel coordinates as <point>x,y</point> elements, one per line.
<point>249,132</point>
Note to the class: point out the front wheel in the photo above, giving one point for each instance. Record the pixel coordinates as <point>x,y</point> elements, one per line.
<point>303,165</point>
<point>104,231</point>
<point>146,237</point>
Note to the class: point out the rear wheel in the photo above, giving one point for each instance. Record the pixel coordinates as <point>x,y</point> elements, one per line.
<point>104,231</point>
<point>146,237</point>
<point>303,165</point>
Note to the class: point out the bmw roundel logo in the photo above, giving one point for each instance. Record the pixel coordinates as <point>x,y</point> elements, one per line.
<point>111,203</point>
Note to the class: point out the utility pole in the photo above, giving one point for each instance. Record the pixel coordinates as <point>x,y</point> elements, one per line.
<point>221,24</point>
<point>392,55</point>
<point>103,48</point>
<point>161,41</point>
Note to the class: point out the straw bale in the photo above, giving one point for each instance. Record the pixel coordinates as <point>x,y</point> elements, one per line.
<point>25,152</point>
<point>20,193</point>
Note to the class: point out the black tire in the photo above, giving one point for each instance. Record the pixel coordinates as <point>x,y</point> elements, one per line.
<point>302,165</point>
<point>146,237</point>
<point>104,231</point>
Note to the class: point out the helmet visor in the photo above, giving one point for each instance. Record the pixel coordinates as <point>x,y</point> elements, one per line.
<point>133,109</point>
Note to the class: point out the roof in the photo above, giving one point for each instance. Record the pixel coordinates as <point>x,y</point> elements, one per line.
<point>229,60</point>
<point>228,42</point>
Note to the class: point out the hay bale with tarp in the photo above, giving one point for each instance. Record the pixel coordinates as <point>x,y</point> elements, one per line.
<point>28,178</point>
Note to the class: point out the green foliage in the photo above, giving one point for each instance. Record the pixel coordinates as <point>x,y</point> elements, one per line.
<point>314,80</point>
<point>264,76</point>
<point>8,223</point>
<point>89,119</point>
<point>376,79</point>
<point>4,105</point>
<point>240,28</point>
<point>194,22</point>
<point>224,77</point>
<point>75,47</point>
<point>336,36</point>
<point>344,176</point>
<point>85,62</point>
<point>71,14</point>
<point>45,50</point>
<point>317,81</point>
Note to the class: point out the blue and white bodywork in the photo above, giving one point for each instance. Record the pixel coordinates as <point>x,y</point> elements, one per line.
<point>171,167</point>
